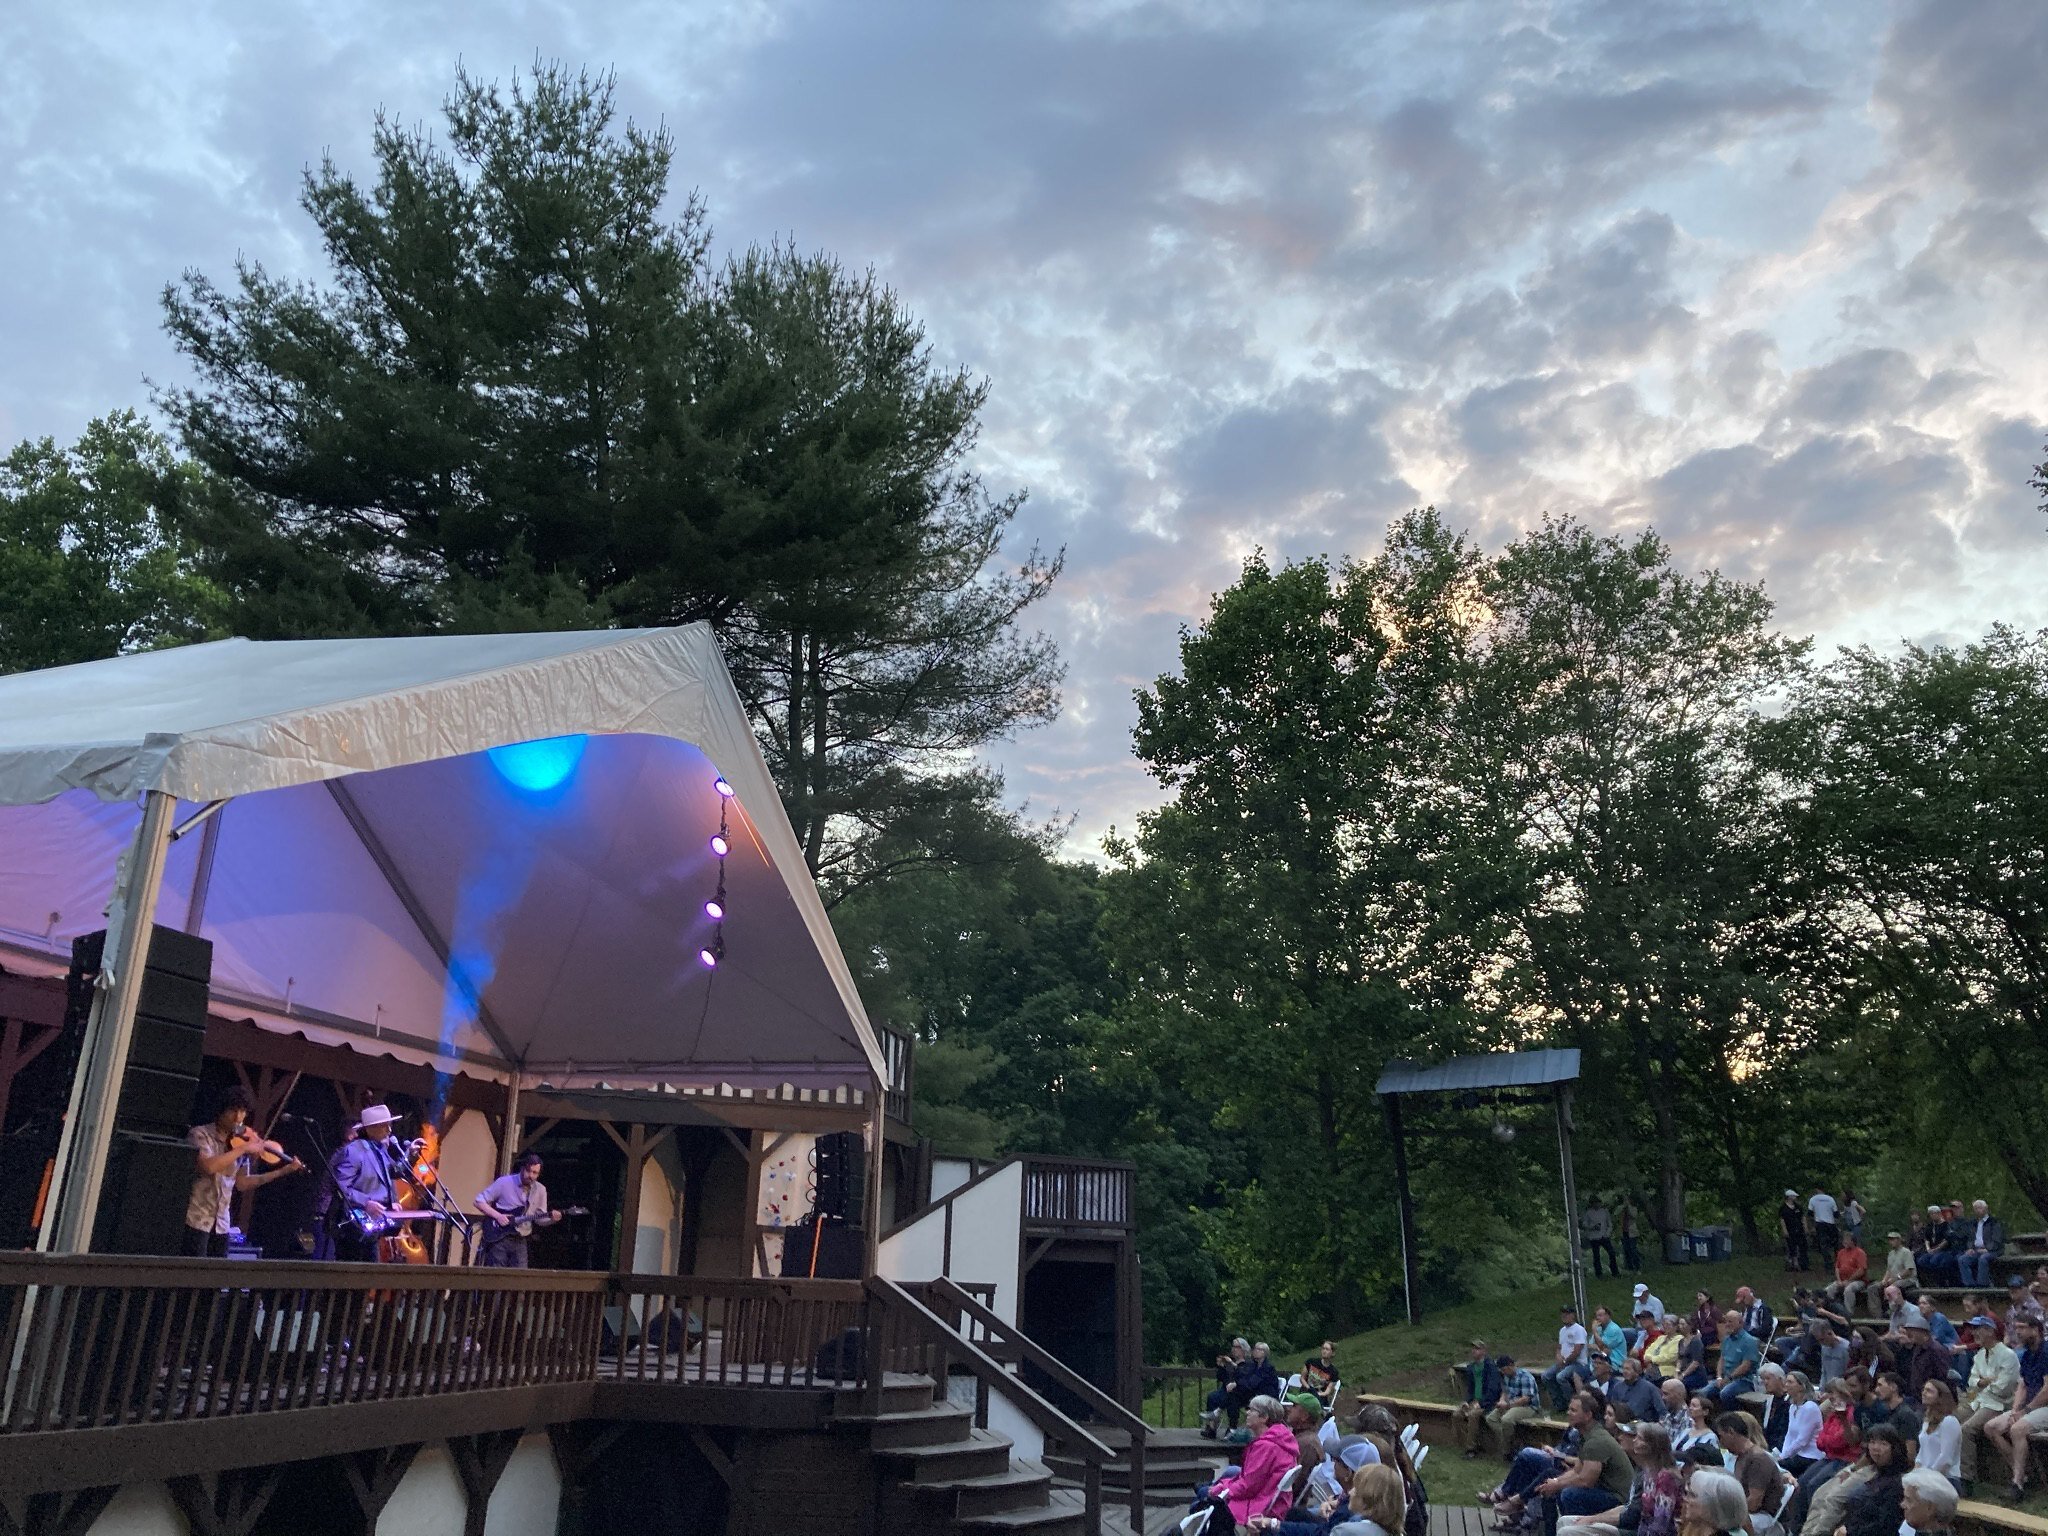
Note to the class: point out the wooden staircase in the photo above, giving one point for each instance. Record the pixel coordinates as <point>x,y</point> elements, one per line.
<point>938,1475</point>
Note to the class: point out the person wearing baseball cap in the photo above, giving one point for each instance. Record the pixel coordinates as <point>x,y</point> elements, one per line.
<point>1937,1259</point>
<point>2020,1301</point>
<point>1793,1220</point>
<point>1989,1393</point>
<point>1642,1299</point>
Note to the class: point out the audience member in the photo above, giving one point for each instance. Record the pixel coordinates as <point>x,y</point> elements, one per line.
<point>1634,1395</point>
<point>1273,1449</point>
<point>1570,1367</point>
<point>2020,1302</point>
<point>1852,1217</point>
<point>1741,1354</point>
<point>1596,1235</point>
<point>2029,1412</point>
<point>1479,1380</point>
<point>1714,1505</point>
<point>1692,1355</point>
<point>1756,1316</point>
<point>1900,1270</point>
<point>1706,1318</point>
<point>1935,1261</point>
<point>1517,1401</point>
<point>1928,1503</point>
<point>1627,1223</point>
<point>1827,1231</point>
<point>1799,1447</point>
<point>1319,1374</point>
<point>1241,1375</point>
<point>1660,1351</point>
<point>1941,1432</point>
<point>1642,1299</point>
<point>1793,1220</point>
<point>1596,1478</point>
<point>1926,1360</point>
<point>1992,1383</point>
<point>1852,1276</point>
<point>1874,1507</point>
<point>1775,1415</point>
<point>1983,1242</point>
<point>1606,1336</point>
<point>1762,1479</point>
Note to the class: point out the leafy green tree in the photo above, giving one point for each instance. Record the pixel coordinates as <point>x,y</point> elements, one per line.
<point>1917,791</point>
<point>90,565</point>
<point>524,399</point>
<point>1261,920</point>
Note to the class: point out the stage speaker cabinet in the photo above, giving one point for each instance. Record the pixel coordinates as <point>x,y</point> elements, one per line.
<point>840,1166</point>
<point>142,1197</point>
<point>837,1247</point>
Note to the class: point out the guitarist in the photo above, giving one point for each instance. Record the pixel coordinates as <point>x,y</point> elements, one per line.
<point>515,1200</point>
<point>366,1172</point>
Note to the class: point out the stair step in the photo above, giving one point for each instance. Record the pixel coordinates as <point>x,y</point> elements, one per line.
<point>1022,1485</point>
<point>981,1454</point>
<point>1173,1472</point>
<point>1046,1520</point>
<point>939,1424</point>
<point>902,1395</point>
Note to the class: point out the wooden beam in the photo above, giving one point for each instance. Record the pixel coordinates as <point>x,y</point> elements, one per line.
<point>720,1462</point>
<point>244,1040</point>
<point>373,1476</point>
<point>1044,1247</point>
<point>224,1503</point>
<point>53,1514</point>
<point>479,1461</point>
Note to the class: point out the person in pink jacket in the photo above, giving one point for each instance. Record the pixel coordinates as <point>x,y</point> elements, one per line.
<point>1272,1451</point>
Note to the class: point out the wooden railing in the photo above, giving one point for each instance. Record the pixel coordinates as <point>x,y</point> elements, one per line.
<point>899,1057</point>
<point>1010,1345</point>
<point>102,1341</point>
<point>904,1334</point>
<point>1174,1395</point>
<point>1078,1192</point>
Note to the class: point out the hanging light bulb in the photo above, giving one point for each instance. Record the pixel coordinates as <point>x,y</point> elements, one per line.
<point>713,952</point>
<point>720,846</point>
<point>724,789</point>
<point>715,910</point>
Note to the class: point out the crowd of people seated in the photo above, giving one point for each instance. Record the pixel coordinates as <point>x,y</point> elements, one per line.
<point>1820,1417</point>
<point>1300,1473</point>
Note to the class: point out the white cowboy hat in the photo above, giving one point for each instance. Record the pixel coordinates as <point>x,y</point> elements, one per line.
<point>376,1114</point>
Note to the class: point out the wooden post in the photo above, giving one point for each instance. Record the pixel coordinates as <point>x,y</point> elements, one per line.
<point>1407,1205</point>
<point>877,1140</point>
<point>103,1058</point>
<point>508,1134</point>
<point>1561,1095</point>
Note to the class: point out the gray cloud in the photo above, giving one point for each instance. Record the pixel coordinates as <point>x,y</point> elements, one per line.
<point>1240,275</point>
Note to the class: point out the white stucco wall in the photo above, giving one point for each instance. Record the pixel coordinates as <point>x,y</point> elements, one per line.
<point>985,1239</point>
<point>654,1233</point>
<point>528,1497</point>
<point>140,1509</point>
<point>428,1501</point>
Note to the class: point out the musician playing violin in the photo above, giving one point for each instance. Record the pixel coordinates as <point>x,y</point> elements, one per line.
<point>224,1150</point>
<point>515,1199</point>
<point>366,1172</point>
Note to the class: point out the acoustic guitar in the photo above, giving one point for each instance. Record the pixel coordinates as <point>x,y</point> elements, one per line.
<point>493,1233</point>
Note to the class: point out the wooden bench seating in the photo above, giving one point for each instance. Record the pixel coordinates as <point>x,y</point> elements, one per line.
<point>1974,1515</point>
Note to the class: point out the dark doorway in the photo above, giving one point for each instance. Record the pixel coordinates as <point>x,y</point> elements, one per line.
<point>580,1166</point>
<point>1070,1308</point>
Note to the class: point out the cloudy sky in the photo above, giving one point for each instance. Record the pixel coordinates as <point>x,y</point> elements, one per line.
<point>1768,277</point>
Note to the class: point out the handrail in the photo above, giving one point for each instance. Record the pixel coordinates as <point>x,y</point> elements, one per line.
<point>896,1305</point>
<point>1030,1351</point>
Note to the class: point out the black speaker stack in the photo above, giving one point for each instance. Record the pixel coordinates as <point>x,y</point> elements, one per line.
<point>149,1163</point>
<point>830,1243</point>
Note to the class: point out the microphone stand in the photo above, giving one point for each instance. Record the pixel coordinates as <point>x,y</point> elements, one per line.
<point>436,1197</point>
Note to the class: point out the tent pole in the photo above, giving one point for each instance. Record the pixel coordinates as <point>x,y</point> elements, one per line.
<point>103,1057</point>
<point>1562,1094</point>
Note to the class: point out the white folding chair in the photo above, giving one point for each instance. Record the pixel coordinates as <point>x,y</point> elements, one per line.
<point>1283,1495</point>
<point>1197,1523</point>
<point>1417,1458</point>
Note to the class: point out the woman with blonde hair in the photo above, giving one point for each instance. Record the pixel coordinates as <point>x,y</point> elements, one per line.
<point>1378,1504</point>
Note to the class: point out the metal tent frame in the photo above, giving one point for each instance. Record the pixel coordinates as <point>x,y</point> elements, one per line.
<point>1530,1077</point>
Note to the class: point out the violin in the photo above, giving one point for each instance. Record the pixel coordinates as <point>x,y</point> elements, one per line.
<point>252,1143</point>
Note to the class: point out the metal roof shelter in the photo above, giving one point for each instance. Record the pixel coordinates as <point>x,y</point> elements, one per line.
<point>1515,1077</point>
<point>477,852</point>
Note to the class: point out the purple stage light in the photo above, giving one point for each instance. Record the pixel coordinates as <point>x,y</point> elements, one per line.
<point>722,787</point>
<point>715,910</point>
<point>720,846</point>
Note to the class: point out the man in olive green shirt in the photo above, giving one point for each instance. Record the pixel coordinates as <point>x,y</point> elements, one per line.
<point>1597,1478</point>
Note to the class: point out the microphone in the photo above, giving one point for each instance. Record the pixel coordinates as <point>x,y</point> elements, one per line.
<point>286,1120</point>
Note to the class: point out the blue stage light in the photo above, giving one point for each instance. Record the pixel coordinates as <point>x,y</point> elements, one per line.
<point>539,766</point>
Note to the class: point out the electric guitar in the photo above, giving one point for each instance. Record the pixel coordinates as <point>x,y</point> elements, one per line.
<point>525,1225</point>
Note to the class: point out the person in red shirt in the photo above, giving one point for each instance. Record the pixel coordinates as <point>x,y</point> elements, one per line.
<point>1852,1275</point>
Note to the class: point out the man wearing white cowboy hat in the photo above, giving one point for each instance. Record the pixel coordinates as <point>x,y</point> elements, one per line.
<point>364,1176</point>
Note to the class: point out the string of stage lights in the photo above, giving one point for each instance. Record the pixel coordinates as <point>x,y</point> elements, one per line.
<point>721,845</point>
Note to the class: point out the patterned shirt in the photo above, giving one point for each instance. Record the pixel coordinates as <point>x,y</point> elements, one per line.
<point>1521,1384</point>
<point>208,1207</point>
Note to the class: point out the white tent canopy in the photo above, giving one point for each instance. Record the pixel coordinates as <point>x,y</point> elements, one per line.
<point>393,870</point>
